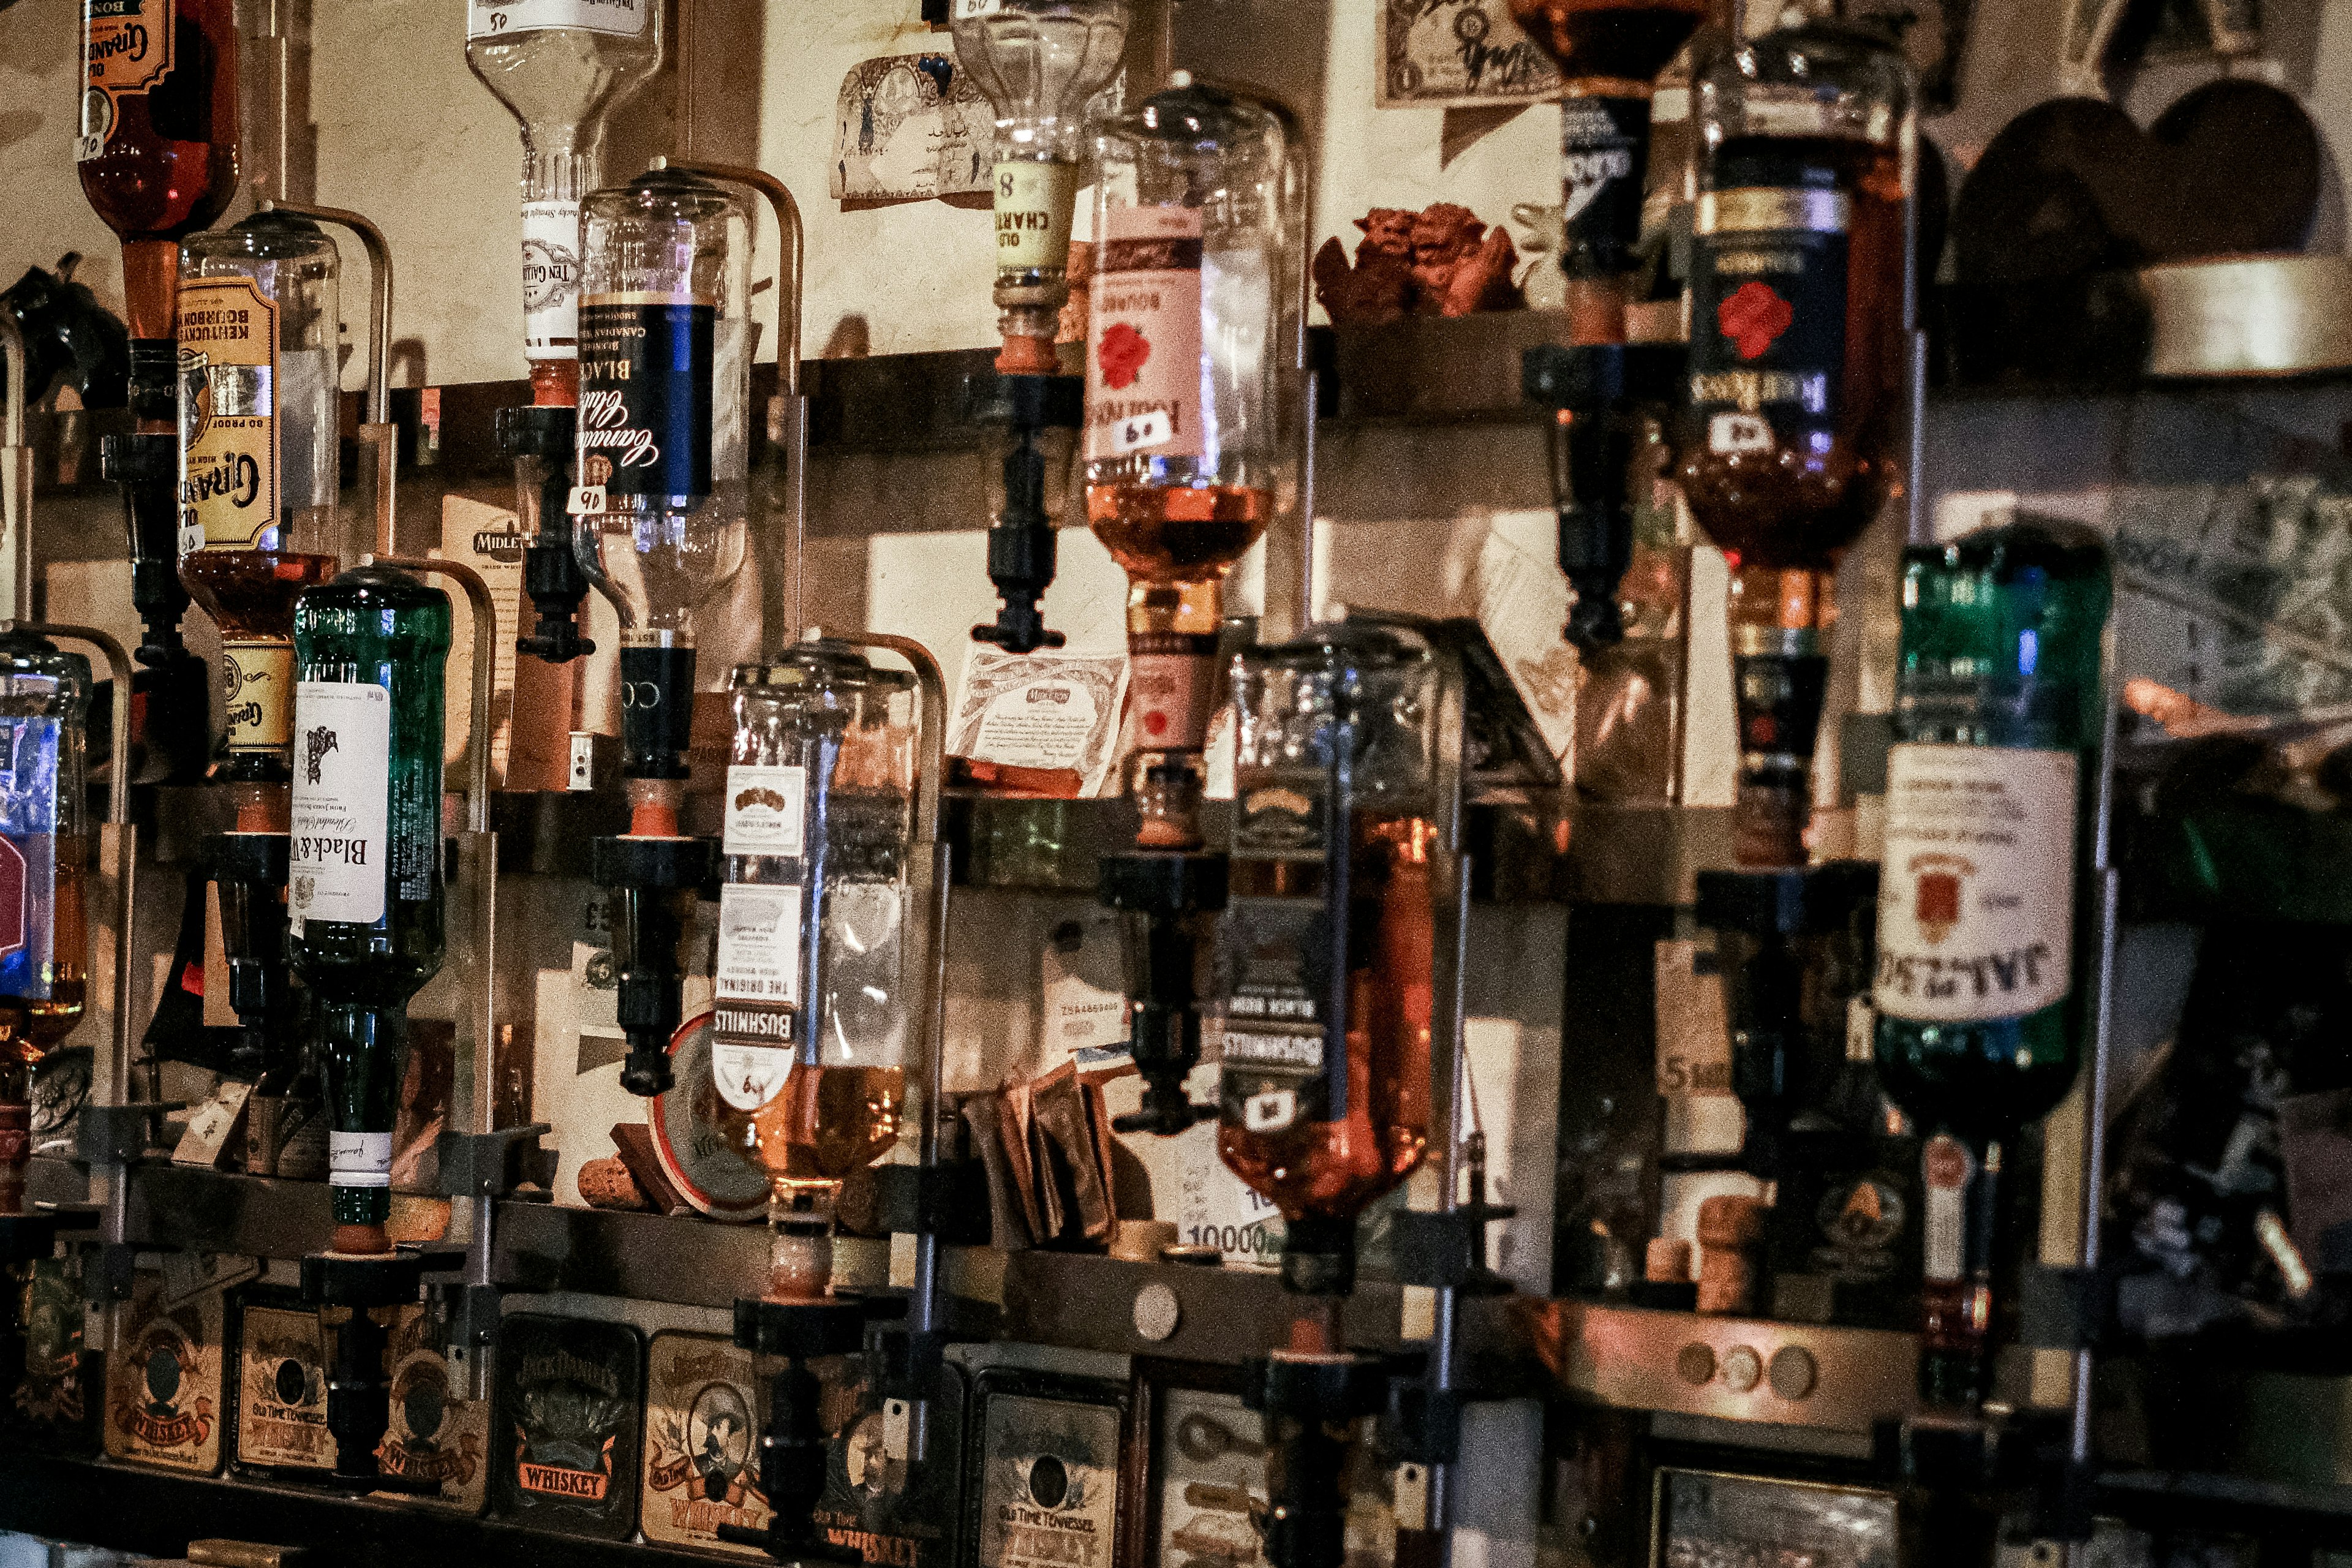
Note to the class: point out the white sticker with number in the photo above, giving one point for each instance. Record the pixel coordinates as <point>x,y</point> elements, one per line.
<point>1154,429</point>
<point>620,18</point>
<point>586,500</point>
<point>1732,433</point>
<point>967,9</point>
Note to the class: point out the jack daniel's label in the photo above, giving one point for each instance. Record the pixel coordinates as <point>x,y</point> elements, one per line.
<point>702,1436</point>
<point>228,413</point>
<point>569,1398</point>
<point>163,1393</point>
<point>436,1434</point>
<point>1143,351</point>
<point>646,367</point>
<point>1976,901</point>
<point>1278,963</point>
<point>1767,317</point>
<point>126,48</point>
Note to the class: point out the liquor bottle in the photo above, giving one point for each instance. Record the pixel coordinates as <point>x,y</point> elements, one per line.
<point>1800,351</point>
<point>1329,935</point>
<point>43,852</point>
<point>364,898</point>
<point>1608,52</point>
<point>258,471</point>
<point>663,453</point>
<point>560,67</point>
<point>1198,244</point>
<point>157,157</point>
<point>1998,717</point>
<point>1040,62</point>
<point>810,1024</point>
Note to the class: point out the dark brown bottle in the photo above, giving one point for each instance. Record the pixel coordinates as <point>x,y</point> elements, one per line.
<point>158,154</point>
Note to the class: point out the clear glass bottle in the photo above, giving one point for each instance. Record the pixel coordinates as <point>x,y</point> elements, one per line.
<point>45,697</point>
<point>1199,231</point>
<point>664,440</point>
<point>560,67</point>
<point>258,439</point>
<point>1329,935</point>
<point>1801,315</point>
<point>1041,63</point>
<point>810,1025</point>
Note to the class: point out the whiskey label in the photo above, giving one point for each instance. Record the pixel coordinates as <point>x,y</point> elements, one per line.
<point>282,1412</point>
<point>1143,351</point>
<point>765,807</point>
<point>28,852</point>
<point>550,279</point>
<point>695,1141</point>
<point>493,19</point>
<point>1947,1171</point>
<point>760,949</point>
<point>1049,1483</point>
<point>1274,1068</point>
<point>359,1159</point>
<point>1767,317</point>
<point>702,1433</point>
<point>1605,151</point>
<point>337,862</point>
<point>164,1389</point>
<point>228,413</point>
<point>569,1402</point>
<point>1033,215</point>
<point>1173,688</point>
<point>126,48</point>
<point>646,366</point>
<point>258,687</point>
<point>436,1434</point>
<point>1976,902</point>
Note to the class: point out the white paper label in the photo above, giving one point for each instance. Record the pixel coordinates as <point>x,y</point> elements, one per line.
<point>1947,1168</point>
<point>759,943</point>
<point>339,858</point>
<point>1144,430</point>
<point>1976,901</point>
<point>550,279</point>
<point>1732,433</point>
<point>1087,1009</point>
<point>764,806</point>
<point>622,18</point>
<point>967,9</point>
<point>1214,1208</point>
<point>748,1077</point>
<point>359,1159</point>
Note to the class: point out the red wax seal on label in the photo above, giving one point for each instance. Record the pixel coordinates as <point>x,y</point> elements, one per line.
<point>1947,1163</point>
<point>1753,318</point>
<point>1123,353</point>
<point>1155,722</point>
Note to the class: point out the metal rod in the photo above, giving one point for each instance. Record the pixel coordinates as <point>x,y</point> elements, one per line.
<point>793,253</point>
<point>2095,1092</point>
<point>16,474</point>
<point>479,704</point>
<point>378,431</point>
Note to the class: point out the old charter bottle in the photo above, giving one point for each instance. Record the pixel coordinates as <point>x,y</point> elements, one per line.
<point>364,895</point>
<point>1990,785</point>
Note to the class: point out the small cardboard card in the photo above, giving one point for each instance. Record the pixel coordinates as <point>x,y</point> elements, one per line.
<point>436,1434</point>
<point>164,1389</point>
<point>489,539</point>
<point>215,1135</point>
<point>1041,710</point>
<point>1087,1012</point>
<point>569,1425</point>
<point>1048,1492</point>
<point>281,1389</point>
<point>702,1433</point>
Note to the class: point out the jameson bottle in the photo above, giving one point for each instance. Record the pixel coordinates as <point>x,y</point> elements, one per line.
<point>157,152</point>
<point>1799,352</point>
<point>258,471</point>
<point>1999,707</point>
<point>365,896</point>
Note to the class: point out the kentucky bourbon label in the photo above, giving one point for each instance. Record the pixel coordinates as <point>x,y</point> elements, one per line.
<point>1767,317</point>
<point>337,862</point>
<point>1033,215</point>
<point>228,413</point>
<point>258,684</point>
<point>126,48</point>
<point>1976,901</point>
<point>570,1393</point>
<point>1143,354</point>
<point>281,1391</point>
<point>163,1385</point>
<point>702,1438</point>
<point>646,365</point>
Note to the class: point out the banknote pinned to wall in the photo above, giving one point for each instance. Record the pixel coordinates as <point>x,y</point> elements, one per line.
<point>1453,53</point>
<point>907,128</point>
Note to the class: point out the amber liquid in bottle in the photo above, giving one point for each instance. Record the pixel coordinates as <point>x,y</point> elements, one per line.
<point>1162,535</point>
<point>30,1029</point>
<point>250,595</point>
<point>1609,39</point>
<point>1336,1168</point>
<point>1793,505</point>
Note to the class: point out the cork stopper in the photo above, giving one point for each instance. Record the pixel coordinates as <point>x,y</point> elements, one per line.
<point>1666,1261</point>
<point>360,1241</point>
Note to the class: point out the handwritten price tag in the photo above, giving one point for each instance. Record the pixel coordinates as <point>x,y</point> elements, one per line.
<point>586,500</point>
<point>967,9</point>
<point>1144,430</point>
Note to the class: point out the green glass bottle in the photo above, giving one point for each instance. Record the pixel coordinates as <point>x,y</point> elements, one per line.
<point>1991,790</point>
<point>364,894</point>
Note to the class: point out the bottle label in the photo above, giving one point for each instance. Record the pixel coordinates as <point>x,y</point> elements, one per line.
<point>1767,317</point>
<point>748,1077</point>
<point>759,946</point>
<point>126,48</point>
<point>647,368</point>
<point>1947,1169</point>
<point>1033,201</point>
<point>1860,1219</point>
<point>1976,901</point>
<point>764,806</point>
<point>28,854</point>
<point>1143,348</point>
<point>337,863</point>
<point>965,10</point>
<point>1172,688</point>
<point>228,406</point>
<point>1273,1075</point>
<point>1605,152</point>
<point>494,18</point>
<point>551,281</point>
<point>257,689</point>
<point>359,1159</point>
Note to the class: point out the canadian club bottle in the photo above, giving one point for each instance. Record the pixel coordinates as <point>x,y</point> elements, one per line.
<point>1610,51</point>
<point>157,151</point>
<point>1999,708</point>
<point>1801,325</point>
<point>364,895</point>
<point>1182,446</point>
